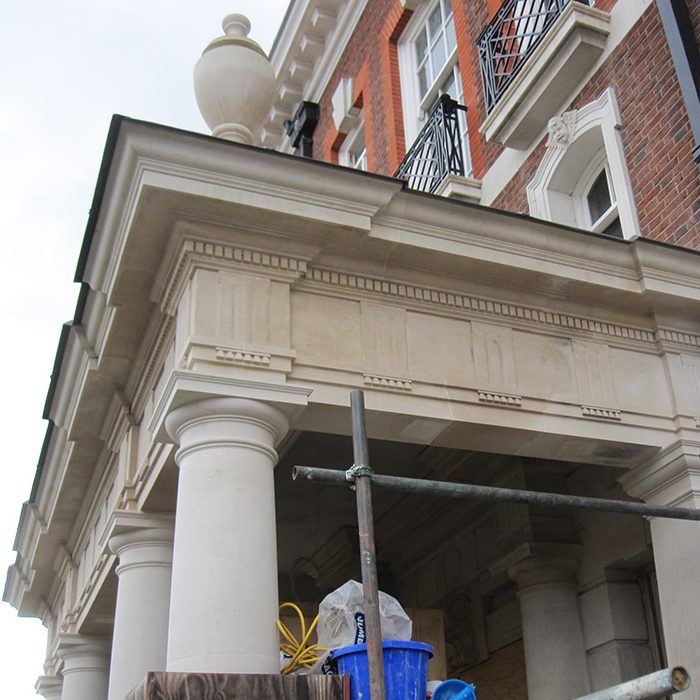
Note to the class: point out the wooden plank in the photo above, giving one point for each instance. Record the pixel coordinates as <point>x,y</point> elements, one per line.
<point>220,686</point>
<point>429,627</point>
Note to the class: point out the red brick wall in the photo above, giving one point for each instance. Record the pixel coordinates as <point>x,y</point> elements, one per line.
<point>655,133</point>
<point>370,59</point>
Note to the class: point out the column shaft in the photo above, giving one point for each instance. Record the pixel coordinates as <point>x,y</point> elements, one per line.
<point>85,667</point>
<point>555,654</point>
<point>143,601</point>
<point>224,586</point>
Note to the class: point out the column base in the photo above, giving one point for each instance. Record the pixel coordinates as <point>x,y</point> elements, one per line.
<point>201,686</point>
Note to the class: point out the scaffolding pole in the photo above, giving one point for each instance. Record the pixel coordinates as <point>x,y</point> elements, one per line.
<point>448,489</point>
<point>654,685</point>
<point>361,475</point>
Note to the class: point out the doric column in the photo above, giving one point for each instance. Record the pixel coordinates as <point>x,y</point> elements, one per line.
<point>141,616</point>
<point>224,585</point>
<point>85,667</point>
<point>49,687</point>
<point>673,478</point>
<point>555,656</point>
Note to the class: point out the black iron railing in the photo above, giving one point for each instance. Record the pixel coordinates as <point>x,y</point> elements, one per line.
<point>438,149</point>
<point>509,40</point>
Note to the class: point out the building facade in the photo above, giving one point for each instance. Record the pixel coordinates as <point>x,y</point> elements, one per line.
<point>521,308</point>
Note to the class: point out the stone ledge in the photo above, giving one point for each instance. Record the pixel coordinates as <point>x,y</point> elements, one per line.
<point>568,51</point>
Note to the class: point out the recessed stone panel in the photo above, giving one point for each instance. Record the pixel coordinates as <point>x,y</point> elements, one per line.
<point>326,331</point>
<point>545,366</point>
<point>640,382</point>
<point>439,349</point>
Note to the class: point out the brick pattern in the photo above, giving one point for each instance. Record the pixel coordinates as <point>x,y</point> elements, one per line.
<point>369,56</point>
<point>656,133</point>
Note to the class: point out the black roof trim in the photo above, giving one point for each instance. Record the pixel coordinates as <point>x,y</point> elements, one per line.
<point>98,196</point>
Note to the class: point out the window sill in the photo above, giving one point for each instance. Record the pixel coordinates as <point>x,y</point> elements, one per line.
<point>465,189</point>
<point>543,87</point>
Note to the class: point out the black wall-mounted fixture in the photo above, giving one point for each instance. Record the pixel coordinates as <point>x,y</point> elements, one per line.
<point>300,128</point>
<point>686,59</point>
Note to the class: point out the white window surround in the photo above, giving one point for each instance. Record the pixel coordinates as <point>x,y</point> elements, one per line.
<point>580,143</point>
<point>353,150</point>
<point>345,114</point>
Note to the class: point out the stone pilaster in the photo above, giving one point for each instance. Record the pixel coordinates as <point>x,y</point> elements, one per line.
<point>673,478</point>
<point>224,585</point>
<point>144,546</point>
<point>85,667</point>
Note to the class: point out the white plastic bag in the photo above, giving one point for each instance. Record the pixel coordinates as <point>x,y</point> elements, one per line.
<point>341,618</point>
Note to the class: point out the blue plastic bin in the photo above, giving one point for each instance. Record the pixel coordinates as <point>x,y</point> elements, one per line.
<point>405,669</point>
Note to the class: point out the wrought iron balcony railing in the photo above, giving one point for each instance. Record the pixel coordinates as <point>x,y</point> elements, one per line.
<point>438,149</point>
<point>509,40</point>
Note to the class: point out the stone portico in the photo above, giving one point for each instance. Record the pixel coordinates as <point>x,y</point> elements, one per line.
<point>232,298</point>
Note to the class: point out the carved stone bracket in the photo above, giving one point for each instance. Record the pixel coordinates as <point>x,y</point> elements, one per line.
<point>500,399</point>
<point>380,382</point>
<point>605,413</point>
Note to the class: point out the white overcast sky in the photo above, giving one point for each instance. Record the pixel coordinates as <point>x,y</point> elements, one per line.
<point>65,68</point>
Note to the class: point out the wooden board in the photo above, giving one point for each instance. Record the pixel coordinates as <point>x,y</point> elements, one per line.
<point>429,627</point>
<point>220,686</point>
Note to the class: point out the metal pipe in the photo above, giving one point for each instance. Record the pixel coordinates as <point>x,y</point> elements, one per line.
<point>654,685</point>
<point>449,489</point>
<point>362,474</point>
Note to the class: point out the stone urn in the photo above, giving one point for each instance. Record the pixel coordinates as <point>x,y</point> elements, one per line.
<point>234,83</point>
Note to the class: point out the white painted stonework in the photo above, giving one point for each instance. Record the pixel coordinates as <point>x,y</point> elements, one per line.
<point>224,588</point>
<point>235,298</point>
<point>145,552</point>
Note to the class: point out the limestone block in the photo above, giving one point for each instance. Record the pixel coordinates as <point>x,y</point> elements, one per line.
<point>440,348</point>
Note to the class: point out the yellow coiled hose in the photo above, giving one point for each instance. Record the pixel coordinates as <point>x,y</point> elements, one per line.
<point>303,654</point>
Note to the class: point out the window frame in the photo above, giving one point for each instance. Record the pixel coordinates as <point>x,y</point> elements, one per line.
<point>346,150</point>
<point>598,165</point>
<point>415,107</point>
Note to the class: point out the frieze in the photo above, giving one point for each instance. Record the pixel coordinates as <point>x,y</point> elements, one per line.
<point>605,413</point>
<point>471,304</point>
<point>236,255</point>
<point>300,269</point>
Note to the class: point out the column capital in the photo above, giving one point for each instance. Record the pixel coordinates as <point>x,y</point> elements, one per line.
<point>130,525</point>
<point>226,407</point>
<point>671,477</point>
<point>49,687</point>
<point>535,563</point>
<point>186,387</point>
<point>79,652</point>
